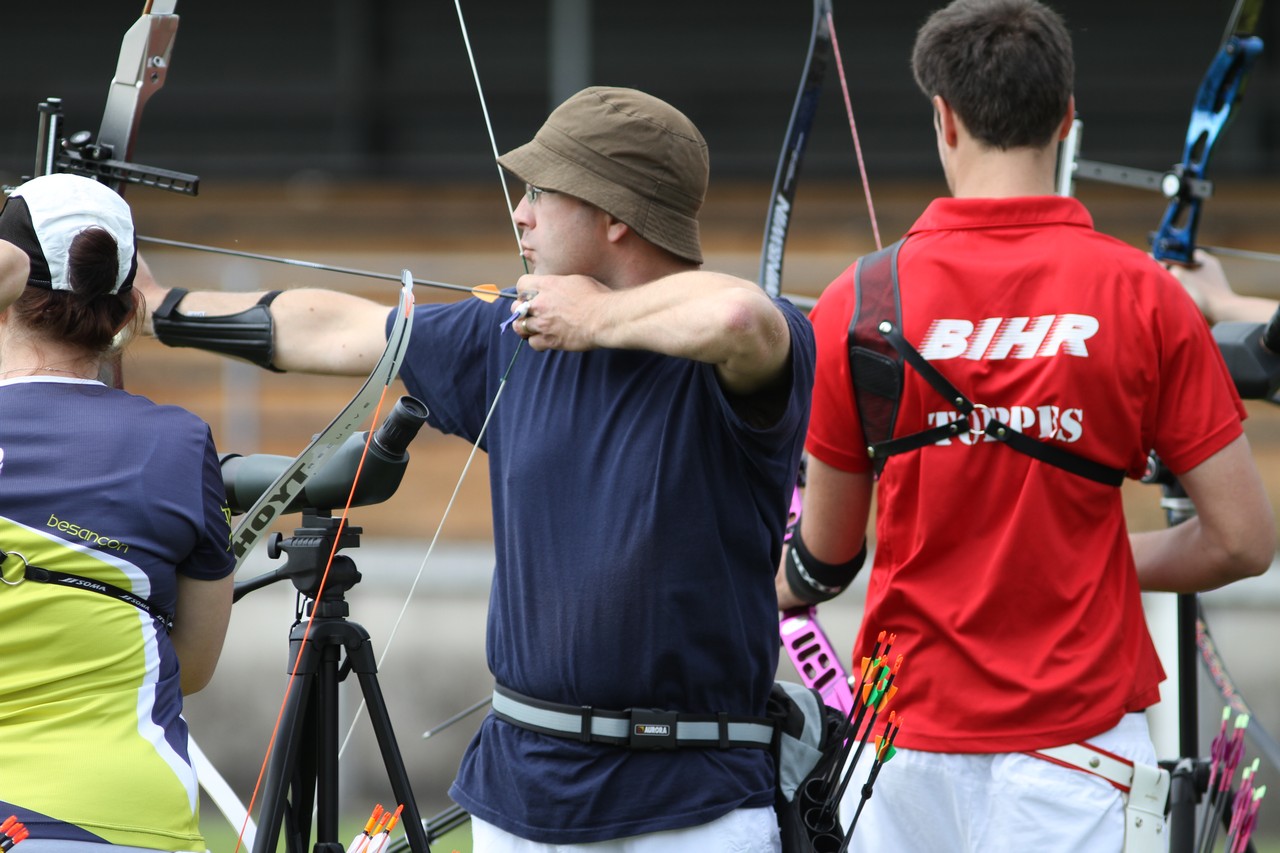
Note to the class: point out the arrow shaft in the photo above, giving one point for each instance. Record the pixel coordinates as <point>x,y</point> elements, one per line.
<point>313,265</point>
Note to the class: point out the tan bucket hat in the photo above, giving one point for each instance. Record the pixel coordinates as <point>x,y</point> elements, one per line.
<point>629,154</point>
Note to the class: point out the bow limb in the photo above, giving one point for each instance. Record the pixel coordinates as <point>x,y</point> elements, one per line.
<point>1220,90</point>
<point>823,47</point>
<point>221,794</point>
<point>782,197</point>
<point>289,484</point>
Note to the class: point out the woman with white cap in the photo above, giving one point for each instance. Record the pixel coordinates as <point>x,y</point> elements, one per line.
<point>114,543</point>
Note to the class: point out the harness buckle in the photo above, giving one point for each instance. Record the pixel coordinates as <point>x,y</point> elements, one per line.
<point>650,728</point>
<point>22,575</point>
<point>977,428</point>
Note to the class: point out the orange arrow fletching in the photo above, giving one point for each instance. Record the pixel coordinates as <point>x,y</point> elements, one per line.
<point>486,292</point>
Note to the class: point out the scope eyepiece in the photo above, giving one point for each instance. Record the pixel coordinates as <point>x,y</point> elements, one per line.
<point>406,418</point>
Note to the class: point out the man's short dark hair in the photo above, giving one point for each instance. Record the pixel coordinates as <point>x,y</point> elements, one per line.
<point>1004,66</point>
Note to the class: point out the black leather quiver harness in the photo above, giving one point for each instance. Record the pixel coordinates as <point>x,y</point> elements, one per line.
<point>877,351</point>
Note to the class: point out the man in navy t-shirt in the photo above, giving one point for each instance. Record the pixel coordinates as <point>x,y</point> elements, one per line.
<point>642,458</point>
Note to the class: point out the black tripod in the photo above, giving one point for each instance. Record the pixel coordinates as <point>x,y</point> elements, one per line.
<point>303,770</point>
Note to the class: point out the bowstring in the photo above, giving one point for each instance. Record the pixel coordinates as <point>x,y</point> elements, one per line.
<point>493,142</point>
<point>853,128</point>
<point>502,383</point>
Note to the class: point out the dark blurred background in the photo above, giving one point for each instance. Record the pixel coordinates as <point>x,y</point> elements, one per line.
<point>382,89</point>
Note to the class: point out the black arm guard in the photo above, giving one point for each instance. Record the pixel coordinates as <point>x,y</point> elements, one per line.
<point>247,335</point>
<point>814,581</point>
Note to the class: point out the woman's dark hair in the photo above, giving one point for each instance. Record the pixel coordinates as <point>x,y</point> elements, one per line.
<point>1004,66</point>
<point>89,315</point>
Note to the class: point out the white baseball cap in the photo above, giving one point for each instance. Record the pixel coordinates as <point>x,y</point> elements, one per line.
<point>44,215</point>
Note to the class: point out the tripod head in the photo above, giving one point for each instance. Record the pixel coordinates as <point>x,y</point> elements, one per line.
<point>307,554</point>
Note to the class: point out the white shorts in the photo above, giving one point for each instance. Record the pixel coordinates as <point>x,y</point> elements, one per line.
<point>740,831</point>
<point>999,803</point>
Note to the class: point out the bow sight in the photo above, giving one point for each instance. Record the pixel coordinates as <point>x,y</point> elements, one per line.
<point>79,154</point>
<point>140,73</point>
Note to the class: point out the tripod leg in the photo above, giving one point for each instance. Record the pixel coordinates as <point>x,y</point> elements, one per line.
<point>282,769</point>
<point>1183,799</point>
<point>326,740</point>
<point>310,717</point>
<point>363,664</point>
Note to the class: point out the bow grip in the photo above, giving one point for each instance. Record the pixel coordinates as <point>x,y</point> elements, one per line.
<point>815,660</point>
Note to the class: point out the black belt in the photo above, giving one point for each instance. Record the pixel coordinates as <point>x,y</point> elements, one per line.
<point>635,728</point>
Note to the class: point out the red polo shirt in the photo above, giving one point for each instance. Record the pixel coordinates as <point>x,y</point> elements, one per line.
<point>1010,582</point>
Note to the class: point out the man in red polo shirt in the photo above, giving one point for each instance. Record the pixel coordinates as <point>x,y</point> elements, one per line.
<point>1002,558</point>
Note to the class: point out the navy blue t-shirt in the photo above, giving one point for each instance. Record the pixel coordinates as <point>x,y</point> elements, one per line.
<point>112,488</point>
<point>638,523</point>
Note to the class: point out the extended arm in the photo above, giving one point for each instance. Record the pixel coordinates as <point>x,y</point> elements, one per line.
<point>314,331</point>
<point>1208,286</point>
<point>837,506</point>
<point>1231,537</point>
<point>705,316</point>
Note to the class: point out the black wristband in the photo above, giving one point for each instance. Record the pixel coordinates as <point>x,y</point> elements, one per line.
<point>814,581</point>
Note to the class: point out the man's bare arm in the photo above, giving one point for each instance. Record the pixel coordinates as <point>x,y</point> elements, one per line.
<point>704,316</point>
<point>314,331</point>
<point>1231,537</point>
<point>837,507</point>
